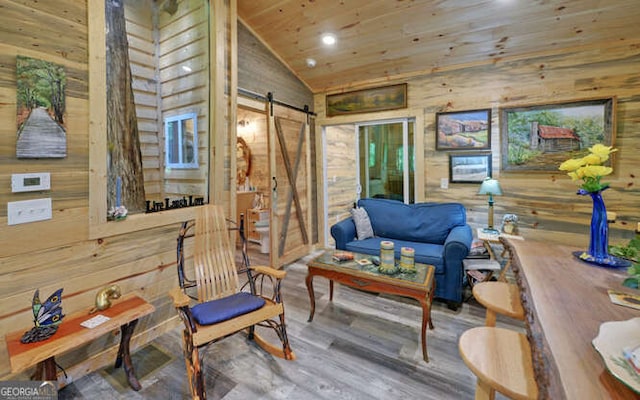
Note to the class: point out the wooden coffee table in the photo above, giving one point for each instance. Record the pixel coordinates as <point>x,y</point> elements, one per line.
<point>419,285</point>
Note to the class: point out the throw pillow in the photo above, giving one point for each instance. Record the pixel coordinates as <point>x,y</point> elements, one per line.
<point>362,222</point>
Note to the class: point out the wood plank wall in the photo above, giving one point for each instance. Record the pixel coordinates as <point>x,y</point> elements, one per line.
<point>261,72</point>
<point>546,203</point>
<point>341,173</point>
<point>57,253</point>
<point>183,42</point>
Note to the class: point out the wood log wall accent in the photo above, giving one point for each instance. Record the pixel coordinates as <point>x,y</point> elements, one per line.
<point>546,203</point>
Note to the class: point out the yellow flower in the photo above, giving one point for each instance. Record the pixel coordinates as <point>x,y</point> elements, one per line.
<point>589,168</point>
<point>574,176</point>
<point>592,159</point>
<point>602,151</point>
<point>595,171</point>
<point>571,164</point>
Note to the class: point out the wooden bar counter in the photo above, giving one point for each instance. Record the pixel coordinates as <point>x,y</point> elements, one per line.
<point>565,302</point>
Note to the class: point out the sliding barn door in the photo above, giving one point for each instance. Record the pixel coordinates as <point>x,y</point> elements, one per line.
<point>291,185</point>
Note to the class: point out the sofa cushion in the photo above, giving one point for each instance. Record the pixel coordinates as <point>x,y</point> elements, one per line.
<point>425,253</point>
<point>420,222</point>
<point>362,223</point>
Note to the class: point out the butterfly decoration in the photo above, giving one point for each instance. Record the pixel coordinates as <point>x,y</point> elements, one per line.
<point>49,313</point>
<point>46,317</point>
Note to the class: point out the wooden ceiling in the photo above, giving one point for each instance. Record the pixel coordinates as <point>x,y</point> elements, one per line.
<point>383,39</point>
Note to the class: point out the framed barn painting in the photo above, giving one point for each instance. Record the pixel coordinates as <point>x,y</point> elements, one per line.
<point>463,130</point>
<point>540,138</point>
<point>469,168</point>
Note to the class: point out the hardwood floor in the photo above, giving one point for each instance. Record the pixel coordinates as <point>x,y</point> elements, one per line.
<point>360,346</point>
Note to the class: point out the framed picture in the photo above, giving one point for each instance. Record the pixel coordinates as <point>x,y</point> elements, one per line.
<point>41,119</point>
<point>367,100</point>
<point>469,168</point>
<point>463,130</point>
<point>540,138</point>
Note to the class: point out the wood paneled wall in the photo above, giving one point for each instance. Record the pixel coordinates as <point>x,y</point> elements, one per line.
<point>58,253</point>
<point>183,41</point>
<point>261,72</point>
<point>546,203</point>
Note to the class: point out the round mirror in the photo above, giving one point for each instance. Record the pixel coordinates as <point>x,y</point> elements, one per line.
<point>243,162</point>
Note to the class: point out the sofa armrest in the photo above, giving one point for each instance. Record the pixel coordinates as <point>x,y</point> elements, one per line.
<point>458,244</point>
<point>456,248</point>
<point>343,232</point>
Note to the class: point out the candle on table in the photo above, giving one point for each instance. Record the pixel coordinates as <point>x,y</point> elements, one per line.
<point>387,256</point>
<point>611,216</point>
<point>407,258</point>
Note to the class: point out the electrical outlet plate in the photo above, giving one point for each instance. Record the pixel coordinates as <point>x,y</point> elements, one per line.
<point>21,212</point>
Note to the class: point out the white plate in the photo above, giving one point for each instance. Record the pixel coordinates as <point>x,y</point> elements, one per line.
<point>612,338</point>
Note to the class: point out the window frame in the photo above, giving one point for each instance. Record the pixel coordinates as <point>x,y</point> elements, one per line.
<point>180,119</point>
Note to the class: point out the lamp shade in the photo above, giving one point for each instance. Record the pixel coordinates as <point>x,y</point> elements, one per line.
<point>490,186</point>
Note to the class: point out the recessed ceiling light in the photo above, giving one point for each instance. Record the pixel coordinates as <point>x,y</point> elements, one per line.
<point>310,62</point>
<point>329,39</point>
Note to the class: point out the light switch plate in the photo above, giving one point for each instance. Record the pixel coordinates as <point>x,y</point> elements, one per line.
<point>30,182</point>
<point>21,212</point>
<point>444,183</point>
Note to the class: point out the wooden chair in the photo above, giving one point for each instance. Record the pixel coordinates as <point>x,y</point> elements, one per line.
<point>223,307</point>
<point>499,297</point>
<point>501,360</point>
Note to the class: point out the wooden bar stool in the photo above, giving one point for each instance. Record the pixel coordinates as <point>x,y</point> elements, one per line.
<point>499,298</point>
<point>501,360</point>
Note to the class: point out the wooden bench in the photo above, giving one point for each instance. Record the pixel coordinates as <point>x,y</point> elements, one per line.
<point>123,314</point>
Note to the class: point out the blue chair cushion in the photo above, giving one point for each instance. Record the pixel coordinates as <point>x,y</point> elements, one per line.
<point>214,311</point>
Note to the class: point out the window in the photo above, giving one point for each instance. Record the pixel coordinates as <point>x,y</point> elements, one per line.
<point>181,138</point>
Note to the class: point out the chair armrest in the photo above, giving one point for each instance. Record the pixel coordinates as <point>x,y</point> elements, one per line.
<point>263,269</point>
<point>343,232</point>
<point>179,298</point>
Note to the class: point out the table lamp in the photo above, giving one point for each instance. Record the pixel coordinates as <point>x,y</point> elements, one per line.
<point>490,187</point>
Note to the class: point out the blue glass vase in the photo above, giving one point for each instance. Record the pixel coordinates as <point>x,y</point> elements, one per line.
<point>598,252</point>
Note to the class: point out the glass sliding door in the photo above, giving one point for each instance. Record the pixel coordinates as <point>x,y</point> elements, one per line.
<point>373,159</point>
<point>386,160</point>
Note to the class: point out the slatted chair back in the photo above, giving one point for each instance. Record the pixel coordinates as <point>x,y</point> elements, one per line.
<point>216,274</point>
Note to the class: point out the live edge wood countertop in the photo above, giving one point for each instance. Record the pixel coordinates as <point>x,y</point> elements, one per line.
<point>565,301</point>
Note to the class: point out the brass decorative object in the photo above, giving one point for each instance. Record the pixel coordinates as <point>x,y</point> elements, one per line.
<point>104,296</point>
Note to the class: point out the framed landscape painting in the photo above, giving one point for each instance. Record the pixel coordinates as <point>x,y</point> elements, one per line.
<point>463,130</point>
<point>469,168</point>
<point>367,100</point>
<point>540,138</point>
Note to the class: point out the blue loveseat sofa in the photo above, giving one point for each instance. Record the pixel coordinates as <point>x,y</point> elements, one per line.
<point>438,232</point>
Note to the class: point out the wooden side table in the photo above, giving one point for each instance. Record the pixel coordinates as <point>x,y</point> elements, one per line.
<point>123,314</point>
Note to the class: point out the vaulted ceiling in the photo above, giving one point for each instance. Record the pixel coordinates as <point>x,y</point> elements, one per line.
<point>382,39</point>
